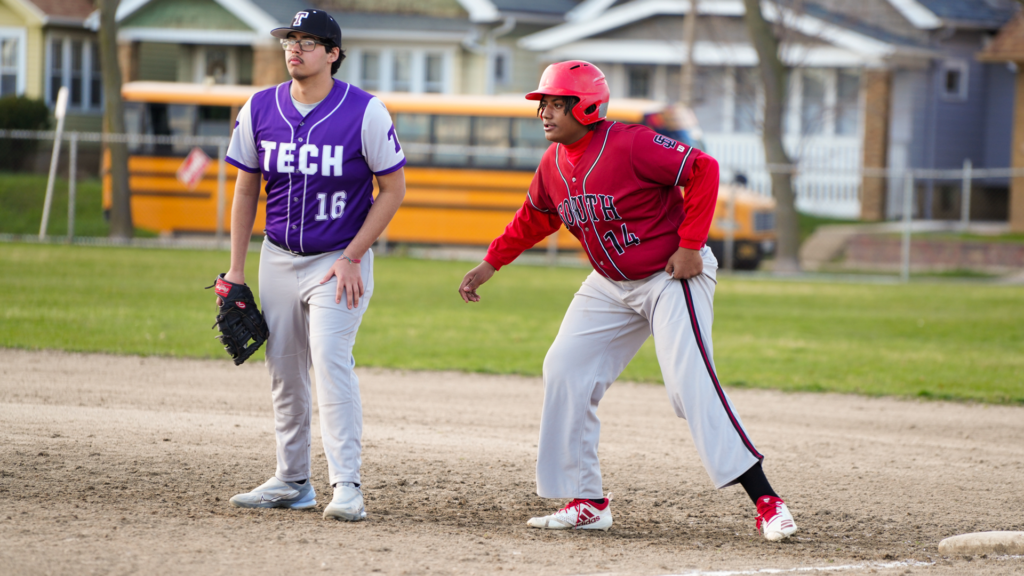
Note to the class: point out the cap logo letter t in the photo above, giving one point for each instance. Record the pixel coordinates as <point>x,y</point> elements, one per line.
<point>298,18</point>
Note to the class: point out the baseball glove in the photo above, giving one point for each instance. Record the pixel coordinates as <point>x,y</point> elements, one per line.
<point>242,328</point>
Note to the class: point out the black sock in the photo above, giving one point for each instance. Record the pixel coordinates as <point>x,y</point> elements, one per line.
<point>756,484</point>
<point>301,482</point>
<point>596,500</point>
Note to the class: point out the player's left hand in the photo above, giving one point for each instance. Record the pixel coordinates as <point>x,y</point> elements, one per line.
<point>685,264</point>
<point>350,282</point>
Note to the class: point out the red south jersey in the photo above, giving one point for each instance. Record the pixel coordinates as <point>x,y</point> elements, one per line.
<point>621,200</point>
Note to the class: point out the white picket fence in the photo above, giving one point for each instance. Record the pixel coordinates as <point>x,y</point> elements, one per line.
<point>827,181</point>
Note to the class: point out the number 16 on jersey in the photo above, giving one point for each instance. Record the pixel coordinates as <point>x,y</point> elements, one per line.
<point>338,200</point>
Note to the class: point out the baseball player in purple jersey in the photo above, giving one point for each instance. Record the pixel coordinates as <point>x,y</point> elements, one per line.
<point>319,143</point>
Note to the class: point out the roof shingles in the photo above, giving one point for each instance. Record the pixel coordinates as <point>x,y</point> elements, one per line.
<point>75,9</point>
<point>985,12</point>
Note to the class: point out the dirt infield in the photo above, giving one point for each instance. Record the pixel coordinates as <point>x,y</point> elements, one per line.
<point>118,465</point>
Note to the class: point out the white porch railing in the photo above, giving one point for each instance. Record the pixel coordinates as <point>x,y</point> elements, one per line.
<point>827,182</point>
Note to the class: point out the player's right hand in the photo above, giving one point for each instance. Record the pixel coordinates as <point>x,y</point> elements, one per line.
<point>474,278</point>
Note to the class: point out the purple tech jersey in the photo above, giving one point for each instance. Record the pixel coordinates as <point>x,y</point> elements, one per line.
<point>319,182</point>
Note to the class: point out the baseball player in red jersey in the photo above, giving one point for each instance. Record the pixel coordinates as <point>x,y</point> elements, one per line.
<point>616,188</point>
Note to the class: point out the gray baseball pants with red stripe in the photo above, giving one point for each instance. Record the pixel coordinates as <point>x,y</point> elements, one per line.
<point>603,329</point>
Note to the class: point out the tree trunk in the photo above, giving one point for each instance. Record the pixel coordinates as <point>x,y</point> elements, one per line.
<point>113,122</point>
<point>689,38</point>
<point>773,77</point>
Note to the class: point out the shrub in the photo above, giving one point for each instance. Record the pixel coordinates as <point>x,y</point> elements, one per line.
<point>20,113</point>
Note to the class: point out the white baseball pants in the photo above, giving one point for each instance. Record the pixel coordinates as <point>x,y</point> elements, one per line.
<point>603,329</point>
<point>308,329</point>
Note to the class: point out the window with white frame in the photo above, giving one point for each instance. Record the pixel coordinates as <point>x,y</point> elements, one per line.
<point>745,100</point>
<point>95,76</point>
<point>501,67</point>
<point>848,103</point>
<point>640,81</point>
<point>953,80</point>
<point>433,80</point>
<point>215,64</point>
<point>369,77</point>
<point>403,70</point>
<point>12,61</point>
<point>74,61</point>
<point>813,103</point>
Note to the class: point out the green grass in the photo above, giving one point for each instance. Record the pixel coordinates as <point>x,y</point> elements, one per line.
<point>1009,238</point>
<point>931,340</point>
<point>808,223</point>
<point>21,206</point>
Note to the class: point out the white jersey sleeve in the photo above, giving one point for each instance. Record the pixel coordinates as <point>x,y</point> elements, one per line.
<point>381,149</point>
<point>242,152</point>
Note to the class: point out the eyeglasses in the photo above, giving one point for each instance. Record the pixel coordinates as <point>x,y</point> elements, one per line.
<point>306,45</point>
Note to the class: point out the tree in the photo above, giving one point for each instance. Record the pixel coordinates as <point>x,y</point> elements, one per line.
<point>113,122</point>
<point>773,77</point>
<point>690,39</point>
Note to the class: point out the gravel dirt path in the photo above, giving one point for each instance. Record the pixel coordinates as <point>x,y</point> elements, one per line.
<point>124,465</point>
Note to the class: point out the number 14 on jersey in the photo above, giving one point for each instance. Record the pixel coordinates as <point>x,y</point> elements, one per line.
<point>628,239</point>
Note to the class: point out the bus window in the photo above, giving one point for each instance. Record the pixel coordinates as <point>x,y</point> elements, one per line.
<point>181,121</point>
<point>493,133</point>
<point>134,118</point>
<point>213,121</point>
<point>528,133</point>
<point>451,130</point>
<point>413,129</point>
<point>170,120</point>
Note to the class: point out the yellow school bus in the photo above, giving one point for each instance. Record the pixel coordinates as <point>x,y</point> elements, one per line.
<point>470,160</point>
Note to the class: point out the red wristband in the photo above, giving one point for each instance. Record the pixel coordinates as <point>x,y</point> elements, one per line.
<point>356,261</point>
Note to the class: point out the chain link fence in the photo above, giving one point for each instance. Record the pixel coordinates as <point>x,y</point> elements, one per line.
<point>919,202</point>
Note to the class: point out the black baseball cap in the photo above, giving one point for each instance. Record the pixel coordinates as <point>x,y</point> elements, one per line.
<point>313,22</point>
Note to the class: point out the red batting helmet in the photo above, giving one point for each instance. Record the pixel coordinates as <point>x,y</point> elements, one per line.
<point>580,79</point>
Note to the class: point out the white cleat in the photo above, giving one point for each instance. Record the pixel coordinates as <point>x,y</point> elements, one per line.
<point>773,519</point>
<point>347,504</point>
<point>577,515</point>
<point>276,493</point>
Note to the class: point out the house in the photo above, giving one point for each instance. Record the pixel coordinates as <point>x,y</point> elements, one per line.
<point>443,46</point>
<point>1007,49</point>
<point>875,83</point>
<point>44,45</point>
<point>465,47</point>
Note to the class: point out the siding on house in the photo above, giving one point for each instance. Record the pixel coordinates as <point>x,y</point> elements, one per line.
<point>437,8</point>
<point>956,123</point>
<point>35,62</point>
<point>9,18</point>
<point>473,71</point>
<point>999,115</point>
<point>526,69</point>
<point>34,50</point>
<point>159,61</point>
<point>185,14</point>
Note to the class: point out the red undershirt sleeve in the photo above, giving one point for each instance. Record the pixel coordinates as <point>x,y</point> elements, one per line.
<point>529,226</point>
<point>699,200</point>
